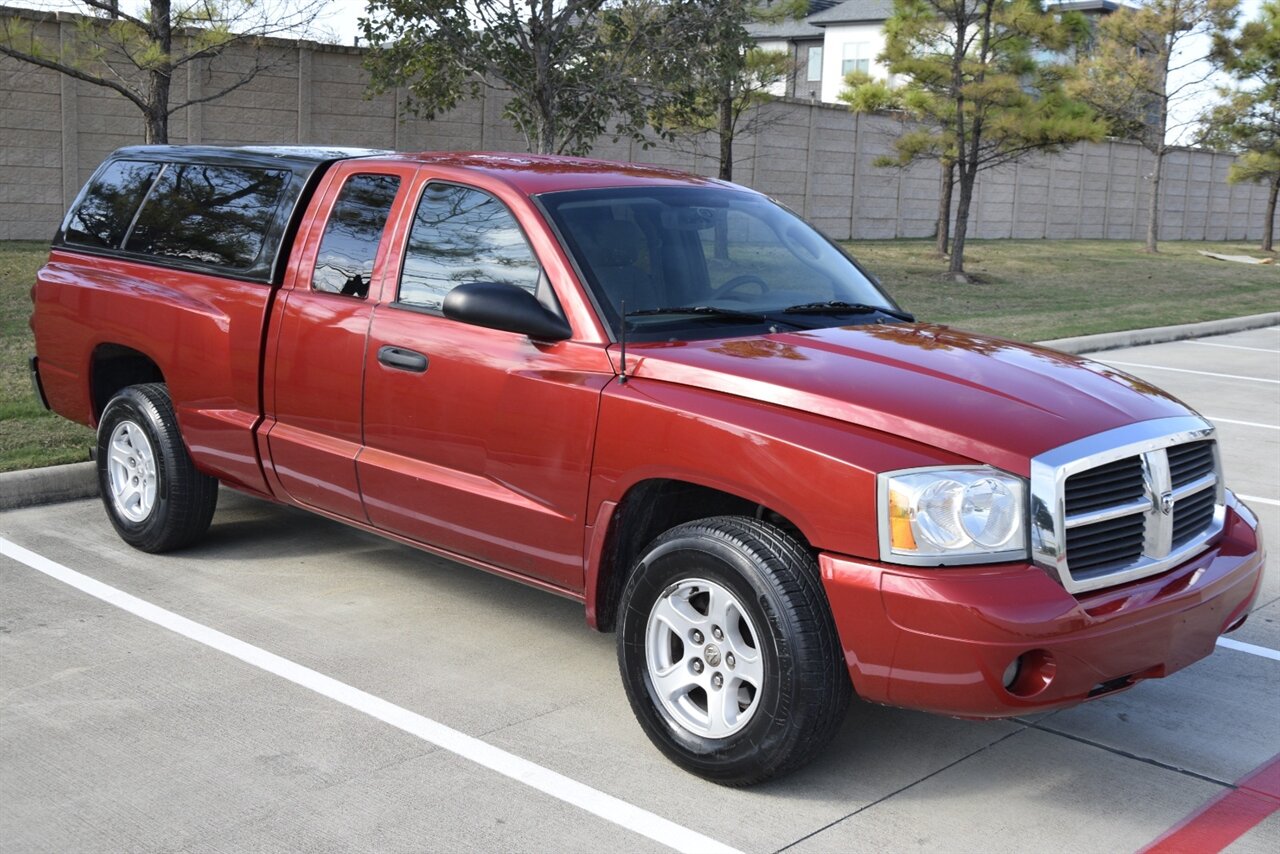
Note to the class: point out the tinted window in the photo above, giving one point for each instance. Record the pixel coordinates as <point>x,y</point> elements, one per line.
<point>740,244</point>
<point>214,215</point>
<point>344,263</point>
<point>103,218</point>
<point>672,247</point>
<point>461,235</point>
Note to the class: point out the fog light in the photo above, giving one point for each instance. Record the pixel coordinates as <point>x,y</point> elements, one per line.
<point>1030,673</point>
<point>1011,672</point>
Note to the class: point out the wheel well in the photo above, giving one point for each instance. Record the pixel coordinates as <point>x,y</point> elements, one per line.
<point>114,367</point>
<point>648,509</point>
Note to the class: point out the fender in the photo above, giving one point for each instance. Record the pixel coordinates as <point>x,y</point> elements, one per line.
<point>203,332</point>
<point>817,472</point>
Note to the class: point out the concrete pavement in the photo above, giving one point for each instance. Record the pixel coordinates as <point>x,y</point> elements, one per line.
<point>116,734</point>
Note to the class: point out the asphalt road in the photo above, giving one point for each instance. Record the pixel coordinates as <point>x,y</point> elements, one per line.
<point>294,685</point>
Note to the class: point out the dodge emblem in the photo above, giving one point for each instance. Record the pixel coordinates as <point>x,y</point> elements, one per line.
<point>1166,503</point>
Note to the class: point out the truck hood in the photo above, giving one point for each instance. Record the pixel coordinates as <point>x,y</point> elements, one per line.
<point>986,399</point>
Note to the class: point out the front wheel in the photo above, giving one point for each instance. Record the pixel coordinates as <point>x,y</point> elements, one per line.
<point>154,496</point>
<point>728,652</point>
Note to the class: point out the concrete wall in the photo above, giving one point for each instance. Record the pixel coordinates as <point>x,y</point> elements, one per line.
<point>817,159</point>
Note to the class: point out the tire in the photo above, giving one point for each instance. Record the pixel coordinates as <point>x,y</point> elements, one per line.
<point>753,698</point>
<point>154,496</point>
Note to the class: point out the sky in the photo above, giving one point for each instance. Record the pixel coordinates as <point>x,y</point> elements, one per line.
<point>337,24</point>
<point>341,18</point>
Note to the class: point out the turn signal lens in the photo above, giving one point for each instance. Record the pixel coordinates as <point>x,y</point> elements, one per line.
<point>900,523</point>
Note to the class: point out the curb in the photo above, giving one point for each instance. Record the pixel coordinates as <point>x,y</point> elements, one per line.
<point>51,485</point>
<point>1161,334</point>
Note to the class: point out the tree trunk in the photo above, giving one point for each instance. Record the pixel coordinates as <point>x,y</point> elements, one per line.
<point>1269,229</point>
<point>156,113</point>
<point>1153,206</point>
<point>726,135</point>
<point>968,177</point>
<point>544,93</point>
<point>943,233</point>
<point>547,127</point>
<point>1156,137</point>
<point>726,132</point>
<point>156,126</point>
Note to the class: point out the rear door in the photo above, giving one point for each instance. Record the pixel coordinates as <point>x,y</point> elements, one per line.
<point>477,441</point>
<point>322,322</point>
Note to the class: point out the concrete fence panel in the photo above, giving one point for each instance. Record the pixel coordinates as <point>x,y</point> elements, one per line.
<point>818,159</point>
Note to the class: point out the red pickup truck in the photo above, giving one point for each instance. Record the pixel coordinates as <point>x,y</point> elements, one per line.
<point>663,396</point>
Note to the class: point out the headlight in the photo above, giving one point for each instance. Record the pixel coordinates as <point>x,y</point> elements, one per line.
<point>939,516</point>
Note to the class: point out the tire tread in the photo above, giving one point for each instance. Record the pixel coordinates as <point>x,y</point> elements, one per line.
<point>190,497</point>
<point>822,698</point>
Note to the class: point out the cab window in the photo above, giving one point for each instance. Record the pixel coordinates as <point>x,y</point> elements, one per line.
<point>344,263</point>
<point>216,216</point>
<point>108,207</point>
<point>462,235</point>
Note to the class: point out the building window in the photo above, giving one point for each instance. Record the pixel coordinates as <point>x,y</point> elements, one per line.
<point>855,58</point>
<point>814,72</point>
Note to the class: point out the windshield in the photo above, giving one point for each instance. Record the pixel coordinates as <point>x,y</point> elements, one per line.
<point>690,262</point>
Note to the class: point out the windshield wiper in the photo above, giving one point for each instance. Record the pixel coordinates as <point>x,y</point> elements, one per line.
<point>710,311</point>
<point>839,307</point>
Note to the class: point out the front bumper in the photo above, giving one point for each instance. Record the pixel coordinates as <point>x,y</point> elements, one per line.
<point>943,640</point>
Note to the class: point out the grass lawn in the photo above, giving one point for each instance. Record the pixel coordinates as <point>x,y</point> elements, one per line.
<point>1034,290</point>
<point>1031,290</point>
<point>29,436</point>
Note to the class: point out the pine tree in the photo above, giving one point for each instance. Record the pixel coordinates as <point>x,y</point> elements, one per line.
<point>1248,121</point>
<point>982,91</point>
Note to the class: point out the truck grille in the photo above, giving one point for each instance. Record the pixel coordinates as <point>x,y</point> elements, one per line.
<point>1105,544</point>
<point>1192,515</point>
<point>1127,511</point>
<point>1106,486</point>
<point>1189,462</point>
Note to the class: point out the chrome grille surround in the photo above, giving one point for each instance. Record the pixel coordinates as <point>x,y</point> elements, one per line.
<point>1147,440</point>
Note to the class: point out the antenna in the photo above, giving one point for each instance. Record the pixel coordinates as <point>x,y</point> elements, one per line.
<point>622,345</point>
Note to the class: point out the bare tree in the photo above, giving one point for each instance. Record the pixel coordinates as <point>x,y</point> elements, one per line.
<point>135,48</point>
<point>706,61</point>
<point>1142,65</point>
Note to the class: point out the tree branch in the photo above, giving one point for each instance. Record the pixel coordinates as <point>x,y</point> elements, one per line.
<point>105,6</point>
<point>71,71</point>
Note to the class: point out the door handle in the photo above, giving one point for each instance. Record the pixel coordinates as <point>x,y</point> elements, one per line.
<point>402,359</point>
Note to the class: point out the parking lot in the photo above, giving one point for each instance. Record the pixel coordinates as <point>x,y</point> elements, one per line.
<point>294,684</point>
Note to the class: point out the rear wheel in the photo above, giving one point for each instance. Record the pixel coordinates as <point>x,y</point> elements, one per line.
<point>154,496</point>
<point>728,652</point>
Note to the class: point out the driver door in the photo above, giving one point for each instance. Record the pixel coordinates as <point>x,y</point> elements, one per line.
<point>477,441</point>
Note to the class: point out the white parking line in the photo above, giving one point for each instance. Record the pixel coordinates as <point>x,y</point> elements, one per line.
<point>1241,646</point>
<point>1232,347</point>
<point>549,782</point>
<point>1259,500</point>
<point>1186,371</point>
<point>1244,423</point>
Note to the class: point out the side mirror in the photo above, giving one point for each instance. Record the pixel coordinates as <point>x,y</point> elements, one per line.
<point>505,307</point>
